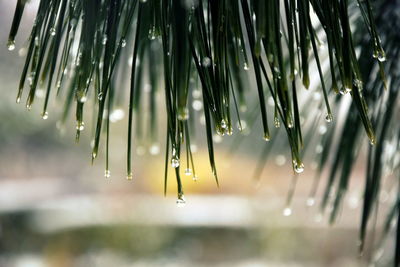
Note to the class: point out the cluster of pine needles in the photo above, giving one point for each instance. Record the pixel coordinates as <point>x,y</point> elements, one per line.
<point>208,52</point>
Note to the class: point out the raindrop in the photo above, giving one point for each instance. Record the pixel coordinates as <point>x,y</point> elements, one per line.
<point>11,45</point>
<point>123,42</point>
<point>245,66</point>
<point>107,173</point>
<point>287,211</point>
<point>175,162</point>
<point>197,105</point>
<point>206,62</point>
<point>52,31</point>
<point>129,176</point>
<point>117,115</point>
<point>80,126</point>
<point>154,149</point>
<point>329,117</point>
<point>280,160</point>
<point>310,201</point>
<point>277,123</point>
<point>298,167</point>
<point>195,178</point>
<point>45,115</point>
<point>188,172</point>
<point>181,202</point>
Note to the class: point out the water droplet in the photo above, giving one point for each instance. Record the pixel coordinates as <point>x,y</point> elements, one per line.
<point>197,105</point>
<point>195,178</point>
<point>152,33</point>
<point>188,172</point>
<point>107,173</point>
<point>11,45</point>
<point>329,117</point>
<point>175,162</point>
<point>143,1</point>
<point>310,201</point>
<point>100,96</point>
<point>322,129</point>
<point>344,90</point>
<point>298,167</point>
<point>280,160</point>
<point>154,149</point>
<point>245,66</point>
<point>18,100</point>
<point>183,114</point>
<point>181,202</point>
<point>287,211</point>
<point>206,62</point>
<point>223,124</point>
<point>94,155</point>
<point>28,106</point>
<point>196,93</point>
<point>123,42</point>
<point>52,31</point>
<point>80,126</point>
<point>319,149</point>
<point>267,138</point>
<point>83,99</point>
<point>104,40</point>
<point>372,140</point>
<point>45,115</point>
<point>277,123</point>
<point>129,176</point>
<point>117,115</point>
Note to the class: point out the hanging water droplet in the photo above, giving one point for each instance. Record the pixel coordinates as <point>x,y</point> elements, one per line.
<point>287,211</point>
<point>183,114</point>
<point>129,176</point>
<point>175,162</point>
<point>104,40</point>
<point>123,42</point>
<point>152,33</point>
<point>154,149</point>
<point>310,201</point>
<point>80,126</point>
<point>83,99</point>
<point>18,100</point>
<point>195,178</point>
<point>94,154</point>
<point>277,123</point>
<point>181,202</point>
<point>28,106</point>
<point>298,167</point>
<point>329,117</point>
<point>206,62</point>
<point>143,1</point>
<point>11,45</point>
<point>100,96</point>
<point>52,31</point>
<point>223,124</point>
<point>267,138</point>
<point>245,66</point>
<point>344,90</point>
<point>372,140</point>
<point>188,172</point>
<point>107,173</point>
<point>381,56</point>
<point>45,115</point>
